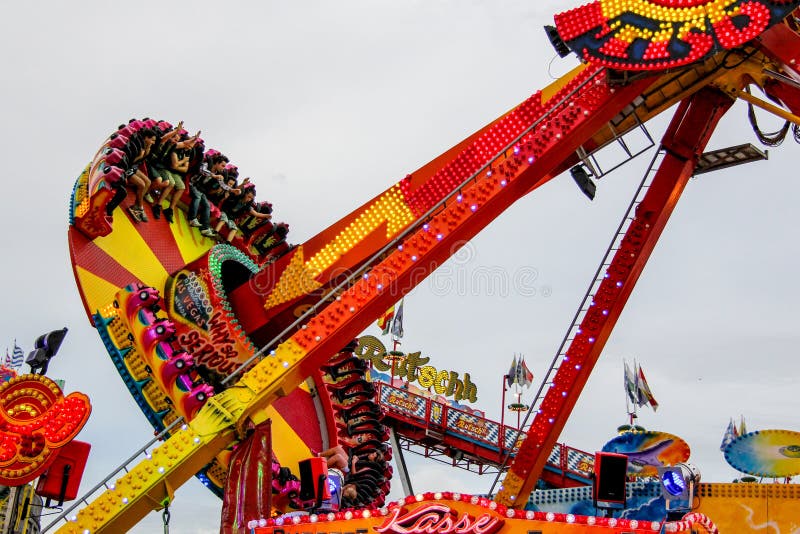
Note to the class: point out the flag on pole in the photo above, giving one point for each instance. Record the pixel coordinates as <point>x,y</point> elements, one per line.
<point>525,376</point>
<point>397,322</point>
<point>18,357</point>
<point>645,395</point>
<point>512,372</point>
<point>385,320</point>
<point>729,435</point>
<point>630,385</point>
<point>519,373</point>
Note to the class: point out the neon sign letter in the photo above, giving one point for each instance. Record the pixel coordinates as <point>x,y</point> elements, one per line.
<point>435,518</point>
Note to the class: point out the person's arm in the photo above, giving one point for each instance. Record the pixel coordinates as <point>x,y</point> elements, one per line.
<point>170,134</point>
<point>178,164</point>
<point>259,215</point>
<point>188,143</point>
<point>226,187</point>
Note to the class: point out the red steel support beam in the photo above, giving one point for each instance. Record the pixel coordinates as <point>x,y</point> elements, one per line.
<point>782,44</point>
<point>684,141</point>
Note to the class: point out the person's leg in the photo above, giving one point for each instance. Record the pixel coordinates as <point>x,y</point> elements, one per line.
<point>142,188</point>
<point>205,217</point>
<point>119,195</point>
<point>165,194</point>
<point>194,205</point>
<point>179,187</point>
<point>137,184</point>
<point>155,194</point>
<point>205,211</point>
<point>156,185</point>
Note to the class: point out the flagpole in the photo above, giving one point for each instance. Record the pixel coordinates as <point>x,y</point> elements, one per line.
<point>503,406</point>
<point>631,411</point>
<point>625,385</point>
<point>636,383</point>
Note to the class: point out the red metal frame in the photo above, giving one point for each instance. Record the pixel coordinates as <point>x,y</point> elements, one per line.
<point>684,141</point>
<point>441,442</point>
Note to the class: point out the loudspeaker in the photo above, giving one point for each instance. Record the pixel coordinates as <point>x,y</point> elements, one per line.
<point>63,477</point>
<point>313,477</point>
<point>581,177</point>
<point>610,476</point>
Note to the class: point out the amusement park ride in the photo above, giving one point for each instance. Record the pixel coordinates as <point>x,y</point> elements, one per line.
<point>243,356</point>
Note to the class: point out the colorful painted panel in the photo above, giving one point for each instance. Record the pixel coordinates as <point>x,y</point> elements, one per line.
<point>734,508</point>
<point>436,413</point>
<point>513,438</point>
<point>473,427</point>
<point>580,462</point>
<point>766,453</point>
<point>647,451</point>
<point>402,402</point>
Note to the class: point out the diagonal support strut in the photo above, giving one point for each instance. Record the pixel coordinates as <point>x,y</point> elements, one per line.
<point>683,143</point>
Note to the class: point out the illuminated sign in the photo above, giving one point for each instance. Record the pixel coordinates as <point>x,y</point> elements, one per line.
<point>434,518</point>
<point>413,368</point>
<point>37,421</point>
<point>200,321</point>
<point>660,34</point>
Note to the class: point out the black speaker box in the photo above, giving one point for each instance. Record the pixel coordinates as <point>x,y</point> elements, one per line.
<point>610,476</point>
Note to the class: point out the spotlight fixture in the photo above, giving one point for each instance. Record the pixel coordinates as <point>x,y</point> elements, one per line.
<point>44,349</point>
<point>678,485</point>
<point>558,43</point>
<point>581,177</point>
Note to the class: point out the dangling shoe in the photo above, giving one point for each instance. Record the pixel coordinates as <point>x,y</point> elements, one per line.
<point>194,222</point>
<point>157,211</point>
<point>208,232</point>
<point>168,215</point>
<point>134,211</point>
<point>149,198</point>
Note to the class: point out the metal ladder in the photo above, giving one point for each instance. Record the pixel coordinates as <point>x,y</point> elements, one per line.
<point>589,158</point>
<point>588,297</point>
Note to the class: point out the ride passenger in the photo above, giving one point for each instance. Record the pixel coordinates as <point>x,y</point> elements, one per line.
<point>138,174</point>
<point>199,209</point>
<point>234,208</point>
<point>179,158</point>
<point>157,161</point>
<point>249,224</point>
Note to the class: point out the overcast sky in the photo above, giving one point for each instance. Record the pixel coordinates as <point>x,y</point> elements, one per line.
<point>326,104</point>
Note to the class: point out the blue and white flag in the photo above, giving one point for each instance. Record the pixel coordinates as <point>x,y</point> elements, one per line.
<point>729,436</point>
<point>18,357</point>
